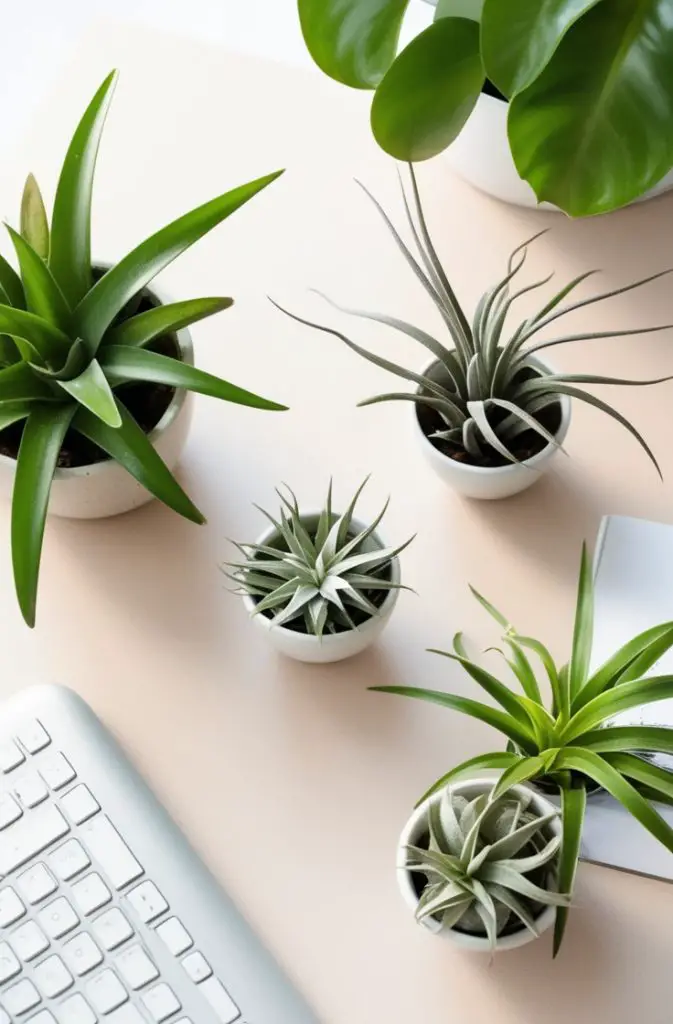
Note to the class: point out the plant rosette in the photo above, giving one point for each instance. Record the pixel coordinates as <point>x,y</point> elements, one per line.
<point>488,482</point>
<point>416,833</point>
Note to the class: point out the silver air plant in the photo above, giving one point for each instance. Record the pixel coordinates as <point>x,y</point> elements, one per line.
<point>489,864</point>
<point>487,399</point>
<point>321,574</point>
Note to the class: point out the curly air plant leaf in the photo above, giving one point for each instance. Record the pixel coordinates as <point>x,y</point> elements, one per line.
<point>489,864</point>
<point>69,345</point>
<point>486,386</point>
<point>320,572</point>
<point>571,739</point>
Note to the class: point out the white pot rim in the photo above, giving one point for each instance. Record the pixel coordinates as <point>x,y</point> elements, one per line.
<point>484,471</point>
<point>171,413</point>
<point>328,640</point>
<point>417,823</point>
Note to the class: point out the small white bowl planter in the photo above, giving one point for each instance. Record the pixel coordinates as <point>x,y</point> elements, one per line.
<point>415,833</point>
<point>490,482</point>
<point>106,488</point>
<point>332,646</point>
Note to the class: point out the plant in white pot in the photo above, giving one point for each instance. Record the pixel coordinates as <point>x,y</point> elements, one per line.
<point>569,102</point>
<point>489,412</point>
<point>94,368</point>
<point>322,586</point>
<point>482,869</point>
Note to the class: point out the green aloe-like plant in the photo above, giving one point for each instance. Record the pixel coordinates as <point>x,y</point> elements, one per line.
<point>570,741</point>
<point>488,864</point>
<point>71,341</point>
<point>487,388</point>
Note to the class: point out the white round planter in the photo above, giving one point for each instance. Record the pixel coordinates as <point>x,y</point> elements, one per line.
<point>105,488</point>
<point>482,157</point>
<point>414,833</point>
<point>332,646</point>
<point>490,482</point>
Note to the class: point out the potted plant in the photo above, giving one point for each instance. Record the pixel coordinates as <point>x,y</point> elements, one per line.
<point>566,102</point>
<point>489,412</point>
<point>95,368</point>
<point>482,870</point>
<point>569,744</point>
<point>322,586</point>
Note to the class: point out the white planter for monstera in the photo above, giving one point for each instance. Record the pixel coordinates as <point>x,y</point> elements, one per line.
<point>105,488</point>
<point>481,156</point>
<point>490,482</point>
<point>415,833</point>
<point>332,646</point>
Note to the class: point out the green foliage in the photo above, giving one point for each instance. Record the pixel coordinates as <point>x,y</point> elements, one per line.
<point>70,343</point>
<point>489,863</point>
<point>319,571</point>
<point>572,740</point>
<point>591,116</point>
<point>486,386</point>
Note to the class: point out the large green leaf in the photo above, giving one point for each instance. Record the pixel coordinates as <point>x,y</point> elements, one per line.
<point>10,282</point>
<point>38,455</point>
<point>43,295</point>
<point>593,131</point>
<point>630,662</point>
<point>122,363</point>
<point>459,9</point>
<point>131,448</point>
<point>353,41</point>
<point>92,391</point>
<point>70,250</point>
<point>14,412</point>
<point>496,760</point>
<point>519,37</point>
<point>620,738</point>
<point>573,804</point>
<point>619,698</point>
<point>51,343</point>
<point>110,294</point>
<point>429,92</point>
<point>583,632</point>
<point>145,327</point>
<point>657,779</point>
<point>34,223</point>
<point>18,383</point>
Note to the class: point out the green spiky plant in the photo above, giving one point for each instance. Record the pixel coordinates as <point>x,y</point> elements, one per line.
<point>570,741</point>
<point>486,390</point>
<point>73,344</point>
<point>489,864</point>
<point>321,574</point>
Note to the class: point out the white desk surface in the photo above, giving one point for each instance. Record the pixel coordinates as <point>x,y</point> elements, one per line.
<point>292,781</point>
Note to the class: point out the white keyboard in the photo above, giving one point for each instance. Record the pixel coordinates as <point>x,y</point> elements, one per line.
<point>106,914</point>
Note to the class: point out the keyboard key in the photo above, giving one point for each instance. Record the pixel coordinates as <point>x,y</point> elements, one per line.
<point>175,936</point>
<point>9,810</point>
<point>30,789</point>
<point>34,736</point>
<point>11,907</point>
<point>69,859</point>
<point>220,1001</point>
<point>161,1001</point>
<point>9,965</point>
<point>52,977</point>
<point>112,928</point>
<point>29,941</point>
<point>135,967</point>
<point>36,883</point>
<point>79,804</point>
<point>75,1010</point>
<point>106,992</point>
<point>126,1014</point>
<point>82,954</point>
<point>91,893</point>
<point>58,918</point>
<point>10,756</point>
<point>43,1017</point>
<point>147,901</point>
<point>34,833</point>
<point>108,848</point>
<point>197,967</point>
<point>20,997</point>
<point>56,770</point>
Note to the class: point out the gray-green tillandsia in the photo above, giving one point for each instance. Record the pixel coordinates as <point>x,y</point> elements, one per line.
<point>68,342</point>
<point>569,738</point>
<point>488,388</point>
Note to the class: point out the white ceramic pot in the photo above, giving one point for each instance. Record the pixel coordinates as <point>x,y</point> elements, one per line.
<point>481,155</point>
<point>332,646</point>
<point>105,488</point>
<point>490,482</point>
<point>415,832</point>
